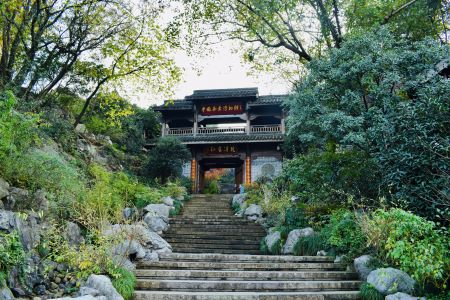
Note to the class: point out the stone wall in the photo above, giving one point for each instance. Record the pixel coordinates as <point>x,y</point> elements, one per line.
<point>265,166</point>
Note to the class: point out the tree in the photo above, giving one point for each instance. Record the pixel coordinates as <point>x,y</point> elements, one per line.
<point>283,35</point>
<point>49,44</point>
<point>381,95</point>
<point>167,158</point>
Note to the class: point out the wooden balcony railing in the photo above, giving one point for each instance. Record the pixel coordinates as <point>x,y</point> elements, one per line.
<point>254,129</point>
<point>265,128</point>
<point>220,130</point>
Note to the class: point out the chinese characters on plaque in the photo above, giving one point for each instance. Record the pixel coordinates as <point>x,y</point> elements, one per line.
<point>222,109</point>
<point>221,149</point>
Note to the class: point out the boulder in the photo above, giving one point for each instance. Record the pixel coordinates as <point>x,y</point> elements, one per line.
<point>4,189</point>
<point>402,296</point>
<point>293,238</point>
<point>238,200</point>
<point>40,198</point>
<point>129,249</point>
<point>390,281</point>
<point>73,234</point>
<point>86,297</point>
<point>103,285</point>
<point>29,231</point>
<point>362,267</point>
<point>81,128</point>
<point>253,212</point>
<point>17,197</point>
<point>159,244</point>
<point>6,294</point>
<point>155,223</point>
<point>339,259</point>
<point>139,232</point>
<point>272,239</point>
<point>321,253</point>
<point>167,201</point>
<point>161,210</point>
<point>129,213</point>
<point>7,220</point>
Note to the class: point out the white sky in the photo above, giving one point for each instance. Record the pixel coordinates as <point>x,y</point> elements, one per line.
<point>222,69</point>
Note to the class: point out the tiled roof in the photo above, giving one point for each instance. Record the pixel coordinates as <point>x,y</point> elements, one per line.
<point>269,99</point>
<point>187,104</point>
<point>175,105</point>
<point>223,93</point>
<point>231,138</point>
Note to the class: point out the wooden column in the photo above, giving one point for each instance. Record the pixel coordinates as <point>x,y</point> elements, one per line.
<point>248,170</point>
<point>194,174</point>
<point>195,120</point>
<point>283,125</point>
<point>163,129</point>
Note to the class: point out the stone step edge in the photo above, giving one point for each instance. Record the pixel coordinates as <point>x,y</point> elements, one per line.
<point>245,257</point>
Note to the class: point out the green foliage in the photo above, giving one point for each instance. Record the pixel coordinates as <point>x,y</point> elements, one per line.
<point>411,243</point>
<point>167,158</point>
<point>309,245</point>
<point>80,259</point>
<point>17,131</point>
<point>178,205</point>
<point>11,253</point>
<point>47,169</point>
<point>372,95</point>
<point>124,282</point>
<point>344,234</point>
<point>326,177</point>
<point>274,250</point>
<point>211,187</point>
<point>369,292</point>
<point>416,21</point>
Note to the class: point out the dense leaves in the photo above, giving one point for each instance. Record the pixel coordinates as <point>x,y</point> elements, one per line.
<point>382,96</point>
<point>167,158</point>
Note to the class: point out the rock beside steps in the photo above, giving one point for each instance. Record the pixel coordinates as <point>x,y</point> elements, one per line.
<point>216,258</point>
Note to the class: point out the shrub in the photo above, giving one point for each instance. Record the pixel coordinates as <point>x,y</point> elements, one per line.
<point>275,249</point>
<point>411,243</point>
<point>80,259</point>
<point>47,169</point>
<point>11,254</point>
<point>177,208</point>
<point>17,131</point>
<point>344,234</point>
<point>167,158</point>
<point>124,282</point>
<point>309,245</point>
<point>369,292</point>
<point>211,187</point>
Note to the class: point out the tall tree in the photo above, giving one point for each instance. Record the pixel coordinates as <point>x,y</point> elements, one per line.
<point>45,43</point>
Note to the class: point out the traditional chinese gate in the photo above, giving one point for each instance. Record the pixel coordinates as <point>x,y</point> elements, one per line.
<point>232,128</point>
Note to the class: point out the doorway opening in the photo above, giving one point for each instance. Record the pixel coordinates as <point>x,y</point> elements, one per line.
<point>218,177</point>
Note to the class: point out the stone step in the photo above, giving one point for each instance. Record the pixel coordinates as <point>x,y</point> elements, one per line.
<point>243,258</point>
<point>218,251</point>
<point>240,285</point>
<point>205,218</point>
<point>207,246</point>
<point>247,275</point>
<point>174,295</point>
<point>241,265</point>
<point>178,240</point>
<point>225,226</point>
<point>212,222</point>
<point>207,235</point>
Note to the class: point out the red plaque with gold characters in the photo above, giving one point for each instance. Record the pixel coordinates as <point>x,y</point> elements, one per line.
<point>222,109</point>
<point>221,149</point>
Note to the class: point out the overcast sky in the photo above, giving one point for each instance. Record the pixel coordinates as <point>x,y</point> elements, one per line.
<point>222,69</point>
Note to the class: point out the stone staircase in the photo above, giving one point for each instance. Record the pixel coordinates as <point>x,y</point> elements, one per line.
<point>216,258</point>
